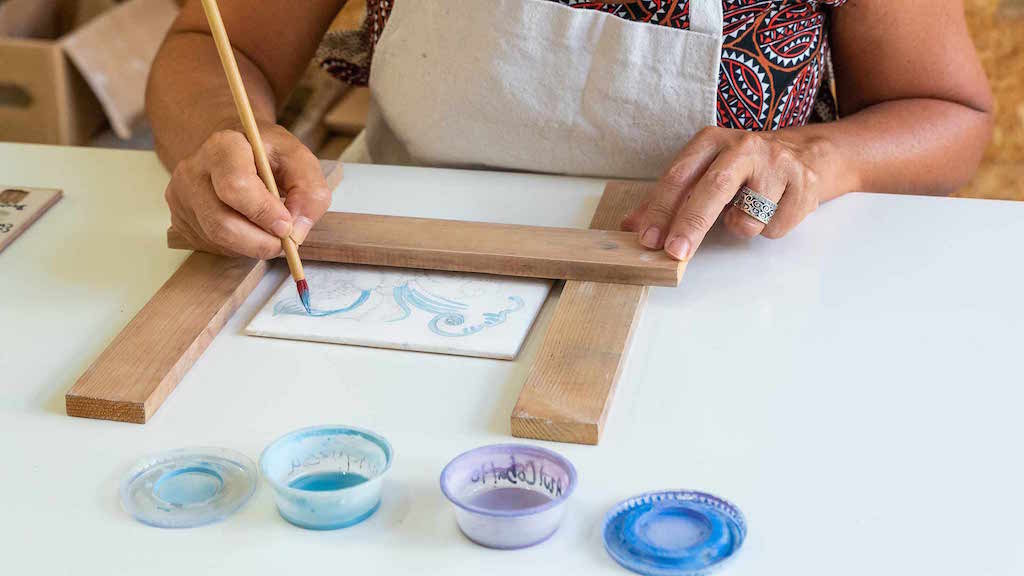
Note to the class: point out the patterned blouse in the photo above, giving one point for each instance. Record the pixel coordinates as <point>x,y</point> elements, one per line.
<point>775,71</point>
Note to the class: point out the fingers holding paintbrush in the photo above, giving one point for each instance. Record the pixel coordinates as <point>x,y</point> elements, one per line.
<point>220,204</point>
<point>252,133</point>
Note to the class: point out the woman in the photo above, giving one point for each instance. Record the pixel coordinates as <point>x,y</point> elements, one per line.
<point>711,97</point>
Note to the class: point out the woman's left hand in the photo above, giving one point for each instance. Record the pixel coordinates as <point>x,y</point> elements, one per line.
<point>711,169</point>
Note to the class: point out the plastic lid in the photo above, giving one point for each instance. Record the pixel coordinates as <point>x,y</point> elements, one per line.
<point>188,487</point>
<point>674,532</point>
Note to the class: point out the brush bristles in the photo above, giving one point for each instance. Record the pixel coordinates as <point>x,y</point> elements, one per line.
<point>303,289</point>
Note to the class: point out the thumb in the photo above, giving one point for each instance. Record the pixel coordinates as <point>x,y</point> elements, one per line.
<point>306,195</point>
<point>306,205</point>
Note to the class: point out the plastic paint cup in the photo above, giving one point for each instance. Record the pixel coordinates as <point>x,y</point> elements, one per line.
<point>508,495</point>
<point>326,477</point>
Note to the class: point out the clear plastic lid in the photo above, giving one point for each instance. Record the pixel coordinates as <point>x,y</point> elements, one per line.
<point>188,487</point>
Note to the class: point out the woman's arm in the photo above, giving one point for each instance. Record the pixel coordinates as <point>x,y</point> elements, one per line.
<point>188,98</point>
<point>917,117</point>
<point>915,105</point>
<point>216,198</point>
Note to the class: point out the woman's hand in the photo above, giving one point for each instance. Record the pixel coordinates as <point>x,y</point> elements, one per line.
<point>220,204</point>
<point>710,170</point>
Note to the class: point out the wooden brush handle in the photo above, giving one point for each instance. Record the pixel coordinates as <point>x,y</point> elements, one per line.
<point>252,132</point>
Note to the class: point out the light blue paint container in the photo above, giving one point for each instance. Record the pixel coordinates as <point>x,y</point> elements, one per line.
<point>326,477</point>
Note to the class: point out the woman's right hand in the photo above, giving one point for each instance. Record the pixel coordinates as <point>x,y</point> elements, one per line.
<point>219,203</point>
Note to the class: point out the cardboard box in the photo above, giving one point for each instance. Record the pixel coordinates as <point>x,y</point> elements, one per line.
<point>42,97</point>
<point>67,65</point>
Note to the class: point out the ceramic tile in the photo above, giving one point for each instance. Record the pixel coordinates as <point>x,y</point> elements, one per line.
<point>428,311</point>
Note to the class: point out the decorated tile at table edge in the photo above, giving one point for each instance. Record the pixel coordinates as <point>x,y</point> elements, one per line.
<point>20,207</point>
<point>427,311</point>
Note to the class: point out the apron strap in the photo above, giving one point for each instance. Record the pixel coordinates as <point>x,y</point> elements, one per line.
<point>706,16</point>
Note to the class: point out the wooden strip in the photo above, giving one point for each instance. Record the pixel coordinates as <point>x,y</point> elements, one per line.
<point>569,390</point>
<point>140,368</point>
<point>511,250</point>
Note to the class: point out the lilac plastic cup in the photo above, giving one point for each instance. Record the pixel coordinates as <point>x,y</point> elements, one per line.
<point>508,495</point>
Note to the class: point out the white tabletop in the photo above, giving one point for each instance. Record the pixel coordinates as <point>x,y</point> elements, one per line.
<point>855,388</point>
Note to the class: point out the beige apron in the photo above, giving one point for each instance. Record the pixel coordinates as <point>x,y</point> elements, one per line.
<point>537,86</point>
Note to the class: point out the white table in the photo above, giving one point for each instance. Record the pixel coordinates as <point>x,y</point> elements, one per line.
<point>855,387</point>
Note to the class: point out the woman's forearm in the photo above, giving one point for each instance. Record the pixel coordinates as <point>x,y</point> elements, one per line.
<point>188,99</point>
<point>913,120</point>
<point>911,146</point>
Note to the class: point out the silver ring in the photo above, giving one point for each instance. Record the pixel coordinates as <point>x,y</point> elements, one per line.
<point>753,204</point>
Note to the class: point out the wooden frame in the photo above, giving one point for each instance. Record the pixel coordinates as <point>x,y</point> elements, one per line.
<point>566,397</point>
<point>139,369</point>
<point>569,389</point>
<point>142,366</point>
<point>505,249</point>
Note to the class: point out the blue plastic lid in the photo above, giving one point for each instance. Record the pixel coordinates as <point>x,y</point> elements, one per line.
<point>188,487</point>
<point>673,533</point>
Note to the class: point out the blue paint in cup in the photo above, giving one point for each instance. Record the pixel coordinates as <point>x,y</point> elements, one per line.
<point>326,477</point>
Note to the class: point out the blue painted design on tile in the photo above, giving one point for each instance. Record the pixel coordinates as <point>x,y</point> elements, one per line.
<point>449,315</point>
<point>289,307</point>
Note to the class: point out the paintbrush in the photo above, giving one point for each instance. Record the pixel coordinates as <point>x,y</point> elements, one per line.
<point>227,59</point>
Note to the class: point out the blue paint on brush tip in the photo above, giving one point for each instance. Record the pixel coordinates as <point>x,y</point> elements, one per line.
<point>303,294</point>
